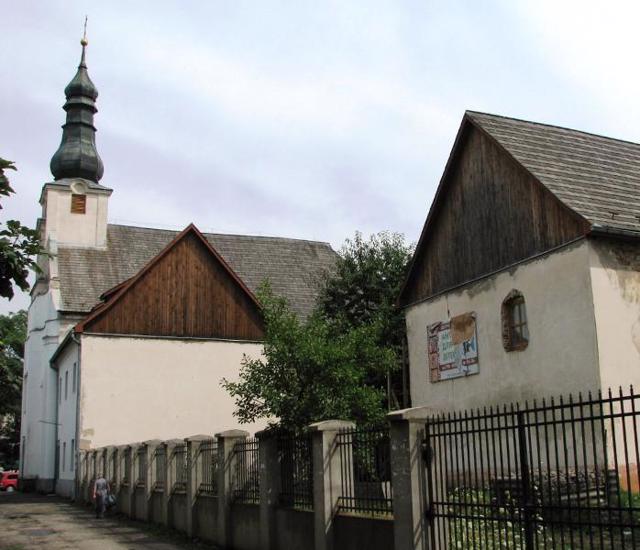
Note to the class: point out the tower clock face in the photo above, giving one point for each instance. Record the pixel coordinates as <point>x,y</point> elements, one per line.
<point>79,188</point>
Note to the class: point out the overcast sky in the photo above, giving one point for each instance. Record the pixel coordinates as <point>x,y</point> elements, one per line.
<point>309,119</point>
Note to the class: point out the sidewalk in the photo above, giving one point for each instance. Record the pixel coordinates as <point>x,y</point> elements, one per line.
<point>34,521</point>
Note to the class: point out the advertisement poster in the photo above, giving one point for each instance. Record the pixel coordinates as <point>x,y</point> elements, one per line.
<point>453,348</point>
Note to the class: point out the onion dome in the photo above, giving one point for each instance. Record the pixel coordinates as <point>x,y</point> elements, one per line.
<point>77,156</point>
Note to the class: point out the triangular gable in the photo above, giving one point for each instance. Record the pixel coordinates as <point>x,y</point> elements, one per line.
<point>566,223</point>
<point>187,290</point>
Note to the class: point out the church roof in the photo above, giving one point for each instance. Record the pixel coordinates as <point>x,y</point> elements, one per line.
<point>293,267</point>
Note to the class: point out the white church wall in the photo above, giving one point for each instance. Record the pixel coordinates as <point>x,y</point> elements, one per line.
<point>136,389</point>
<point>68,373</point>
<point>38,431</point>
<point>562,353</point>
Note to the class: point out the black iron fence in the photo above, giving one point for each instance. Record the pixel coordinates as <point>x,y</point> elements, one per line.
<point>141,463</point>
<point>160,467</point>
<point>207,467</point>
<point>179,468</point>
<point>365,472</point>
<point>296,471</point>
<point>246,475</point>
<point>555,474</point>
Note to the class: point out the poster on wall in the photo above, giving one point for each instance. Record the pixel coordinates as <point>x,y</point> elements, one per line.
<point>453,348</point>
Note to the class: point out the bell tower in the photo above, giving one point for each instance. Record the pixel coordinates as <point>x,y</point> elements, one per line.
<point>74,205</point>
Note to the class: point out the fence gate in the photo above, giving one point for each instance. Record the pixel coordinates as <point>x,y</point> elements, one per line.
<point>554,475</point>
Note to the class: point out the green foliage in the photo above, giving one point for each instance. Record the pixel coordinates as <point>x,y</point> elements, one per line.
<point>309,373</point>
<point>19,245</point>
<point>13,333</point>
<point>365,288</point>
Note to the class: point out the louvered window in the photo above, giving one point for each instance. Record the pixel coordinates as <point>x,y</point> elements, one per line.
<point>78,203</point>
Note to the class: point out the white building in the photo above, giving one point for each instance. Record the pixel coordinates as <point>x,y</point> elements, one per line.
<point>526,280</point>
<point>131,329</point>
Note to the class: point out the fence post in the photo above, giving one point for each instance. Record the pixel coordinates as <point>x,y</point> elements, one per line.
<point>80,473</point>
<point>133,477</point>
<point>226,460</point>
<point>193,446</point>
<point>326,478</point>
<point>414,528</point>
<point>269,465</point>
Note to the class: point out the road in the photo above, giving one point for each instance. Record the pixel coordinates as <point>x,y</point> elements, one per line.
<point>51,523</point>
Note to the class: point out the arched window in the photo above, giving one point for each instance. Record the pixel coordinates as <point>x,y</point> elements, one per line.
<point>515,331</point>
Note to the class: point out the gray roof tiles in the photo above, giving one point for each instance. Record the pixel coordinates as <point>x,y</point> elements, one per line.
<point>597,177</point>
<point>293,267</point>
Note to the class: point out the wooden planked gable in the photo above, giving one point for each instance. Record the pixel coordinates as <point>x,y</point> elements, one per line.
<point>185,291</point>
<point>489,213</point>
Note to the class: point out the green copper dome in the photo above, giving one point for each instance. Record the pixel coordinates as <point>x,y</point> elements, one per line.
<point>77,156</point>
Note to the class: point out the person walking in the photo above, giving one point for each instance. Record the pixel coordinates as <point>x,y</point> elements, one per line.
<point>100,491</point>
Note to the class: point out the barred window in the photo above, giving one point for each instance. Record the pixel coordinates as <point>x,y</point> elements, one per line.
<point>515,329</point>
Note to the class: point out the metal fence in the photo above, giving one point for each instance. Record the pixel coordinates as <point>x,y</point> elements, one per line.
<point>246,475</point>
<point>296,471</point>
<point>160,467</point>
<point>179,468</point>
<point>141,463</point>
<point>556,474</point>
<point>365,471</point>
<point>126,466</point>
<point>207,468</point>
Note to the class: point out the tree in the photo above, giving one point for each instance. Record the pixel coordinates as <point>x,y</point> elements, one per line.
<point>308,373</point>
<point>19,245</point>
<point>364,292</point>
<point>13,333</point>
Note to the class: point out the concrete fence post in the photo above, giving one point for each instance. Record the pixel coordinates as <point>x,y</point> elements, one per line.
<point>81,469</point>
<point>227,464</point>
<point>193,448</point>
<point>269,467</point>
<point>109,470</point>
<point>413,525</point>
<point>326,478</point>
<point>133,477</point>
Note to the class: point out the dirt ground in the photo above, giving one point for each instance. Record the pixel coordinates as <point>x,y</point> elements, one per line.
<point>48,522</point>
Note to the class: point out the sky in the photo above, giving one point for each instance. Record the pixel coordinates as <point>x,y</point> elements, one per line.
<point>302,118</point>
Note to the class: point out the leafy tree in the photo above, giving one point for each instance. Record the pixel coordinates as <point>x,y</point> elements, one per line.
<point>364,292</point>
<point>13,333</point>
<point>308,373</point>
<point>19,245</point>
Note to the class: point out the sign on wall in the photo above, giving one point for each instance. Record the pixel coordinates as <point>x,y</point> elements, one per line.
<point>453,348</point>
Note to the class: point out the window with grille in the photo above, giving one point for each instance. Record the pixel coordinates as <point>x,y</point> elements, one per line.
<point>78,203</point>
<point>515,329</point>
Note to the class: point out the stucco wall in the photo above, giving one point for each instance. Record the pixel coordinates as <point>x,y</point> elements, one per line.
<point>562,354</point>
<point>615,279</point>
<point>136,389</point>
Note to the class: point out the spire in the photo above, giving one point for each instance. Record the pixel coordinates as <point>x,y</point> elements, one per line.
<point>77,156</point>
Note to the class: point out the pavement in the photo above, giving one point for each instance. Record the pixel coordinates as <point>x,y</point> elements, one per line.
<point>49,522</point>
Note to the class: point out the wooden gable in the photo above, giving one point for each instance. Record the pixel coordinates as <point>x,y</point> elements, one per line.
<point>187,291</point>
<point>488,213</point>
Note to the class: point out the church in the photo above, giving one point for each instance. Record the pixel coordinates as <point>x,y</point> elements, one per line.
<point>131,329</point>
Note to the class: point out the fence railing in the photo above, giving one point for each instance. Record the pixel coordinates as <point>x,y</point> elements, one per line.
<point>246,475</point>
<point>553,474</point>
<point>160,467</point>
<point>365,472</point>
<point>141,463</point>
<point>206,468</point>
<point>179,468</point>
<point>296,471</point>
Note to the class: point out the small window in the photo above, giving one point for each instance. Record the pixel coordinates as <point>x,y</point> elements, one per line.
<point>66,384</point>
<point>72,457</point>
<point>75,375</point>
<point>64,456</point>
<point>78,203</point>
<point>515,330</point>
<point>60,389</point>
